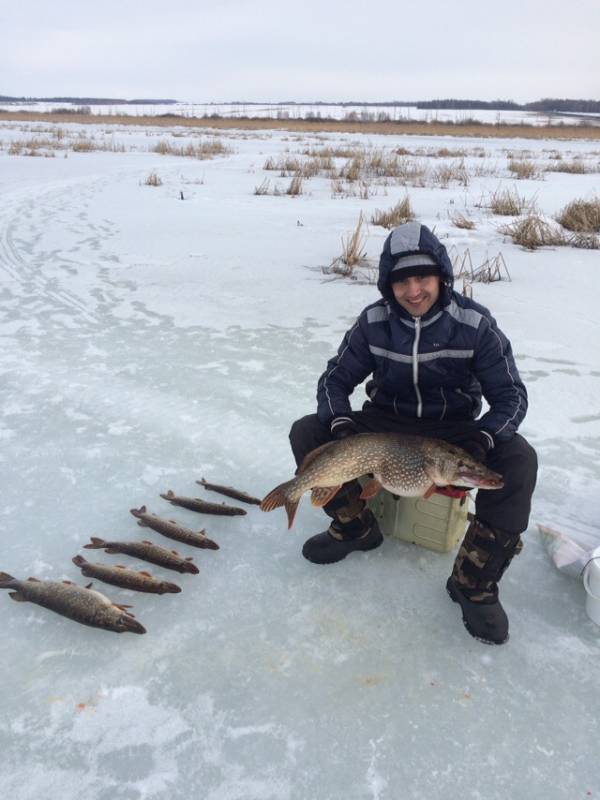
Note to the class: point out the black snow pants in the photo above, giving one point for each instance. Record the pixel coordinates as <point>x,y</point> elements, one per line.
<point>506,509</point>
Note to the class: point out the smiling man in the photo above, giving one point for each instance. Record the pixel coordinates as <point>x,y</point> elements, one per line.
<point>431,355</point>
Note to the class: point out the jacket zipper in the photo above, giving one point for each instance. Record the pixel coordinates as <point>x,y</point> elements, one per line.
<point>415,366</point>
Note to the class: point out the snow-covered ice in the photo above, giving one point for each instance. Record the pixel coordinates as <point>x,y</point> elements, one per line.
<point>149,341</point>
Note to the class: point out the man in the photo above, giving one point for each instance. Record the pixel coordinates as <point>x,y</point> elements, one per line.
<point>431,354</point>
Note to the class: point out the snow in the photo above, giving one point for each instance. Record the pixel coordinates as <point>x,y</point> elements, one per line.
<point>149,341</point>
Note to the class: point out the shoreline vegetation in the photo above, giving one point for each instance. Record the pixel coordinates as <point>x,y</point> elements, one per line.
<point>462,128</point>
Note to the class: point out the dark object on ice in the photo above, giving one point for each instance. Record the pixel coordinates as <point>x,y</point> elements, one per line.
<point>228,491</point>
<point>173,530</point>
<point>480,563</point>
<point>181,195</point>
<point>125,578</point>
<point>340,539</point>
<point>146,551</point>
<point>196,504</point>
<point>79,603</point>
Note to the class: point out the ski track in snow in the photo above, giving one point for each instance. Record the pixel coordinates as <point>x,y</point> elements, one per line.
<point>128,368</point>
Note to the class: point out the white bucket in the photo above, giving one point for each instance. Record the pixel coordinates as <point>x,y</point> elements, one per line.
<point>591,582</point>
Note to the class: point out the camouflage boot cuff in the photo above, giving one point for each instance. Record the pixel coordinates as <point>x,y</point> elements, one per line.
<point>483,559</point>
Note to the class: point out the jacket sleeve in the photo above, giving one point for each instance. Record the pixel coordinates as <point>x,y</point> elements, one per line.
<point>344,372</point>
<point>495,369</point>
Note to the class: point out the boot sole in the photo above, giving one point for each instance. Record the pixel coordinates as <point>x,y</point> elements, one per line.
<point>360,549</point>
<point>456,598</point>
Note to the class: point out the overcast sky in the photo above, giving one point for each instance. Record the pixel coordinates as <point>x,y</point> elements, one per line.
<point>307,50</point>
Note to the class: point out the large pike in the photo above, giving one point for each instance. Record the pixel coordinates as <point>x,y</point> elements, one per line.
<point>410,466</point>
<point>173,530</point>
<point>81,604</point>
<point>146,551</point>
<point>196,504</point>
<point>125,578</point>
<point>229,491</point>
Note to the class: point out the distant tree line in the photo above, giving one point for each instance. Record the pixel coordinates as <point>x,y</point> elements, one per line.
<point>548,104</point>
<point>88,101</point>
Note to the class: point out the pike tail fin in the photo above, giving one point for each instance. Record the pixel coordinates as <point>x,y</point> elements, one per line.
<point>279,496</point>
<point>7,581</point>
<point>95,543</point>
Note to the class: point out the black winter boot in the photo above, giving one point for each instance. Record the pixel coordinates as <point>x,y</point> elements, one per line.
<point>481,561</point>
<point>341,538</point>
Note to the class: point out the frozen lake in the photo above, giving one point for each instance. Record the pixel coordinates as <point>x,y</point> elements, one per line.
<point>149,341</point>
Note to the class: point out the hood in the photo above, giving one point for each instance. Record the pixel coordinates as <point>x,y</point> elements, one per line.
<point>412,238</point>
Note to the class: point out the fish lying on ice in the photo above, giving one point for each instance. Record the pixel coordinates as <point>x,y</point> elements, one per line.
<point>79,603</point>
<point>125,578</point>
<point>173,530</point>
<point>410,466</point>
<point>196,504</point>
<point>146,551</point>
<point>229,491</point>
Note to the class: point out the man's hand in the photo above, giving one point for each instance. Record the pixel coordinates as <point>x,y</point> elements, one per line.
<point>478,444</point>
<point>341,427</point>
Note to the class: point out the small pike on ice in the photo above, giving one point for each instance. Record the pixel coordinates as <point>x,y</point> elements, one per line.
<point>173,530</point>
<point>196,504</point>
<point>125,578</point>
<point>146,551</point>
<point>229,491</point>
<point>81,604</point>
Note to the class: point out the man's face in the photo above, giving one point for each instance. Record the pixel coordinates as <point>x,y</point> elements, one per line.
<point>417,294</point>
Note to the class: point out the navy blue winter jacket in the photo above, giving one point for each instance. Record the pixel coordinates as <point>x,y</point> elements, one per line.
<point>434,367</point>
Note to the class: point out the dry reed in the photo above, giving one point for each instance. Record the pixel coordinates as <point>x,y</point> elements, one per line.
<point>532,232</point>
<point>507,203</point>
<point>460,221</point>
<point>581,216</point>
<point>523,170</point>
<point>397,215</point>
<point>433,128</point>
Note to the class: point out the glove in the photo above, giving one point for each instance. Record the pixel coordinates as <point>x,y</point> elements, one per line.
<point>341,427</point>
<point>478,444</point>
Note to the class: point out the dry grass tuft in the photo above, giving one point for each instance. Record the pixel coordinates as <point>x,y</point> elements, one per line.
<point>575,167</point>
<point>331,152</point>
<point>455,171</point>
<point>586,241</point>
<point>523,170</point>
<point>460,221</point>
<point>262,188</point>
<point>352,248</point>
<point>84,146</point>
<point>507,203</point>
<point>446,152</point>
<point>581,216</point>
<point>202,150</point>
<point>153,180</point>
<point>533,232</point>
<point>295,187</point>
<point>397,215</point>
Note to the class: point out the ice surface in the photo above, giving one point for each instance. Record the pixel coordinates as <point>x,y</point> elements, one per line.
<point>147,342</point>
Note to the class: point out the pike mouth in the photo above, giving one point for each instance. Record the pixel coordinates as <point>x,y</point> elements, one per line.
<point>493,481</point>
<point>132,626</point>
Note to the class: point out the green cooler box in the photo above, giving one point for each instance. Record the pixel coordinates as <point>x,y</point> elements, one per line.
<point>438,523</point>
